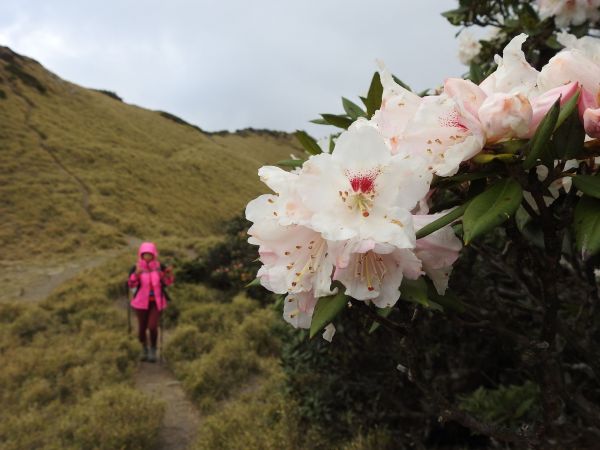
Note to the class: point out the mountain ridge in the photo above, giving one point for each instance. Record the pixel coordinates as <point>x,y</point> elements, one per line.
<point>81,169</point>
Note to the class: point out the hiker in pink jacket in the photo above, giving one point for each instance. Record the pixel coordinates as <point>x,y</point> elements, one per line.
<point>149,278</point>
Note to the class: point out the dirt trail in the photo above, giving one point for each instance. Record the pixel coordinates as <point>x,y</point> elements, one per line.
<point>181,420</point>
<point>34,281</point>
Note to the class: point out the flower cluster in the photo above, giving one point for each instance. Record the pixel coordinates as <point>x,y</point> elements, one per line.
<point>569,12</point>
<point>352,215</point>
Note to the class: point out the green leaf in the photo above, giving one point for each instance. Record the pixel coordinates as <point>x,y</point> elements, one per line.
<point>586,222</point>
<point>569,137</point>
<point>373,101</point>
<point>567,110</point>
<point>352,109</point>
<point>475,73</point>
<point>255,282</point>
<point>331,144</point>
<point>416,291</point>
<point>337,121</point>
<point>290,163</point>
<point>401,83</point>
<point>326,310</point>
<point>383,312</point>
<point>447,301</point>
<point>457,179</point>
<point>456,16</point>
<point>588,184</point>
<point>512,146</point>
<point>309,144</point>
<point>486,158</point>
<point>491,208</point>
<point>319,121</point>
<point>542,136</point>
<point>442,221</point>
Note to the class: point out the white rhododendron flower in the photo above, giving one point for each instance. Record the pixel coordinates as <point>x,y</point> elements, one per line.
<point>560,78</point>
<point>372,271</point>
<point>361,191</point>
<point>298,309</point>
<point>569,12</point>
<point>443,132</point>
<point>514,74</point>
<point>289,208</point>
<point>579,62</point>
<point>437,251</point>
<point>505,116</point>
<point>468,47</point>
<point>348,219</point>
<point>398,106</point>
<point>329,332</point>
<point>295,258</point>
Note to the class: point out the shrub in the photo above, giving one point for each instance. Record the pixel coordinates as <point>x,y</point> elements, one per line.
<point>186,343</point>
<point>211,378</point>
<point>115,417</point>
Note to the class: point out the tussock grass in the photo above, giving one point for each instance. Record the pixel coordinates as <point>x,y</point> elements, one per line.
<point>79,169</point>
<point>67,366</point>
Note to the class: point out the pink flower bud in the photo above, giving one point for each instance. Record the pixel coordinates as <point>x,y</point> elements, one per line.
<point>505,116</point>
<point>591,122</point>
<point>542,104</point>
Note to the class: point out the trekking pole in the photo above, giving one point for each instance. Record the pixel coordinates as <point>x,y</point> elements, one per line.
<point>160,330</point>
<point>128,298</point>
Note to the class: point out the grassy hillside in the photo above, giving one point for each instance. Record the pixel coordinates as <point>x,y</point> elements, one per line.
<point>80,170</point>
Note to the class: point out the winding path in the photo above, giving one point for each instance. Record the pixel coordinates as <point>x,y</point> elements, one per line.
<point>181,419</point>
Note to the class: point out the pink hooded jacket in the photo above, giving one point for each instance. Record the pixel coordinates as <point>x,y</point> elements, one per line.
<point>150,279</point>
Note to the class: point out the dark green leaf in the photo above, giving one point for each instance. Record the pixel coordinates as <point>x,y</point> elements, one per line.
<point>512,146</point>
<point>541,138</point>
<point>373,101</point>
<point>383,312</point>
<point>586,222</point>
<point>567,110</point>
<point>255,282</point>
<point>457,179</point>
<point>337,121</point>
<point>326,310</point>
<point>475,73</point>
<point>352,109</point>
<point>447,301</point>
<point>485,158</point>
<point>491,208</point>
<point>319,121</point>
<point>588,184</point>
<point>416,291</point>
<point>309,144</point>
<point>401,83</point>
<point>569,137</point>
<point>442,221</point>
<point>290,163</point>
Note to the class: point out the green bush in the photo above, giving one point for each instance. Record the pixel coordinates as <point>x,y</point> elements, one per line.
<point>113,418</point>
<point>186,343</point>
<point>213,377</point>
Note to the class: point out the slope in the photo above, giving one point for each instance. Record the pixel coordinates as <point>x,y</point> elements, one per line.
<point>80,170</point>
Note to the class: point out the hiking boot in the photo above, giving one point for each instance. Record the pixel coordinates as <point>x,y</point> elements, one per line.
<point>144,355</point>
<point>152,354</point>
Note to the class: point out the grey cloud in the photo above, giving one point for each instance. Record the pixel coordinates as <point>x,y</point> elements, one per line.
<point>234,64</point>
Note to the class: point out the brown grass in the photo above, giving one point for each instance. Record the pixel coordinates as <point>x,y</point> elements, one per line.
<point>79,169</point>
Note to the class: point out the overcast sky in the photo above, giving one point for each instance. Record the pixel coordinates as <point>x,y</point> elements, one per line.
<point>233,64</point>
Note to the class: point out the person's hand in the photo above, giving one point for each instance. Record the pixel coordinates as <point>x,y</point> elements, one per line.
<point>138,269</point>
